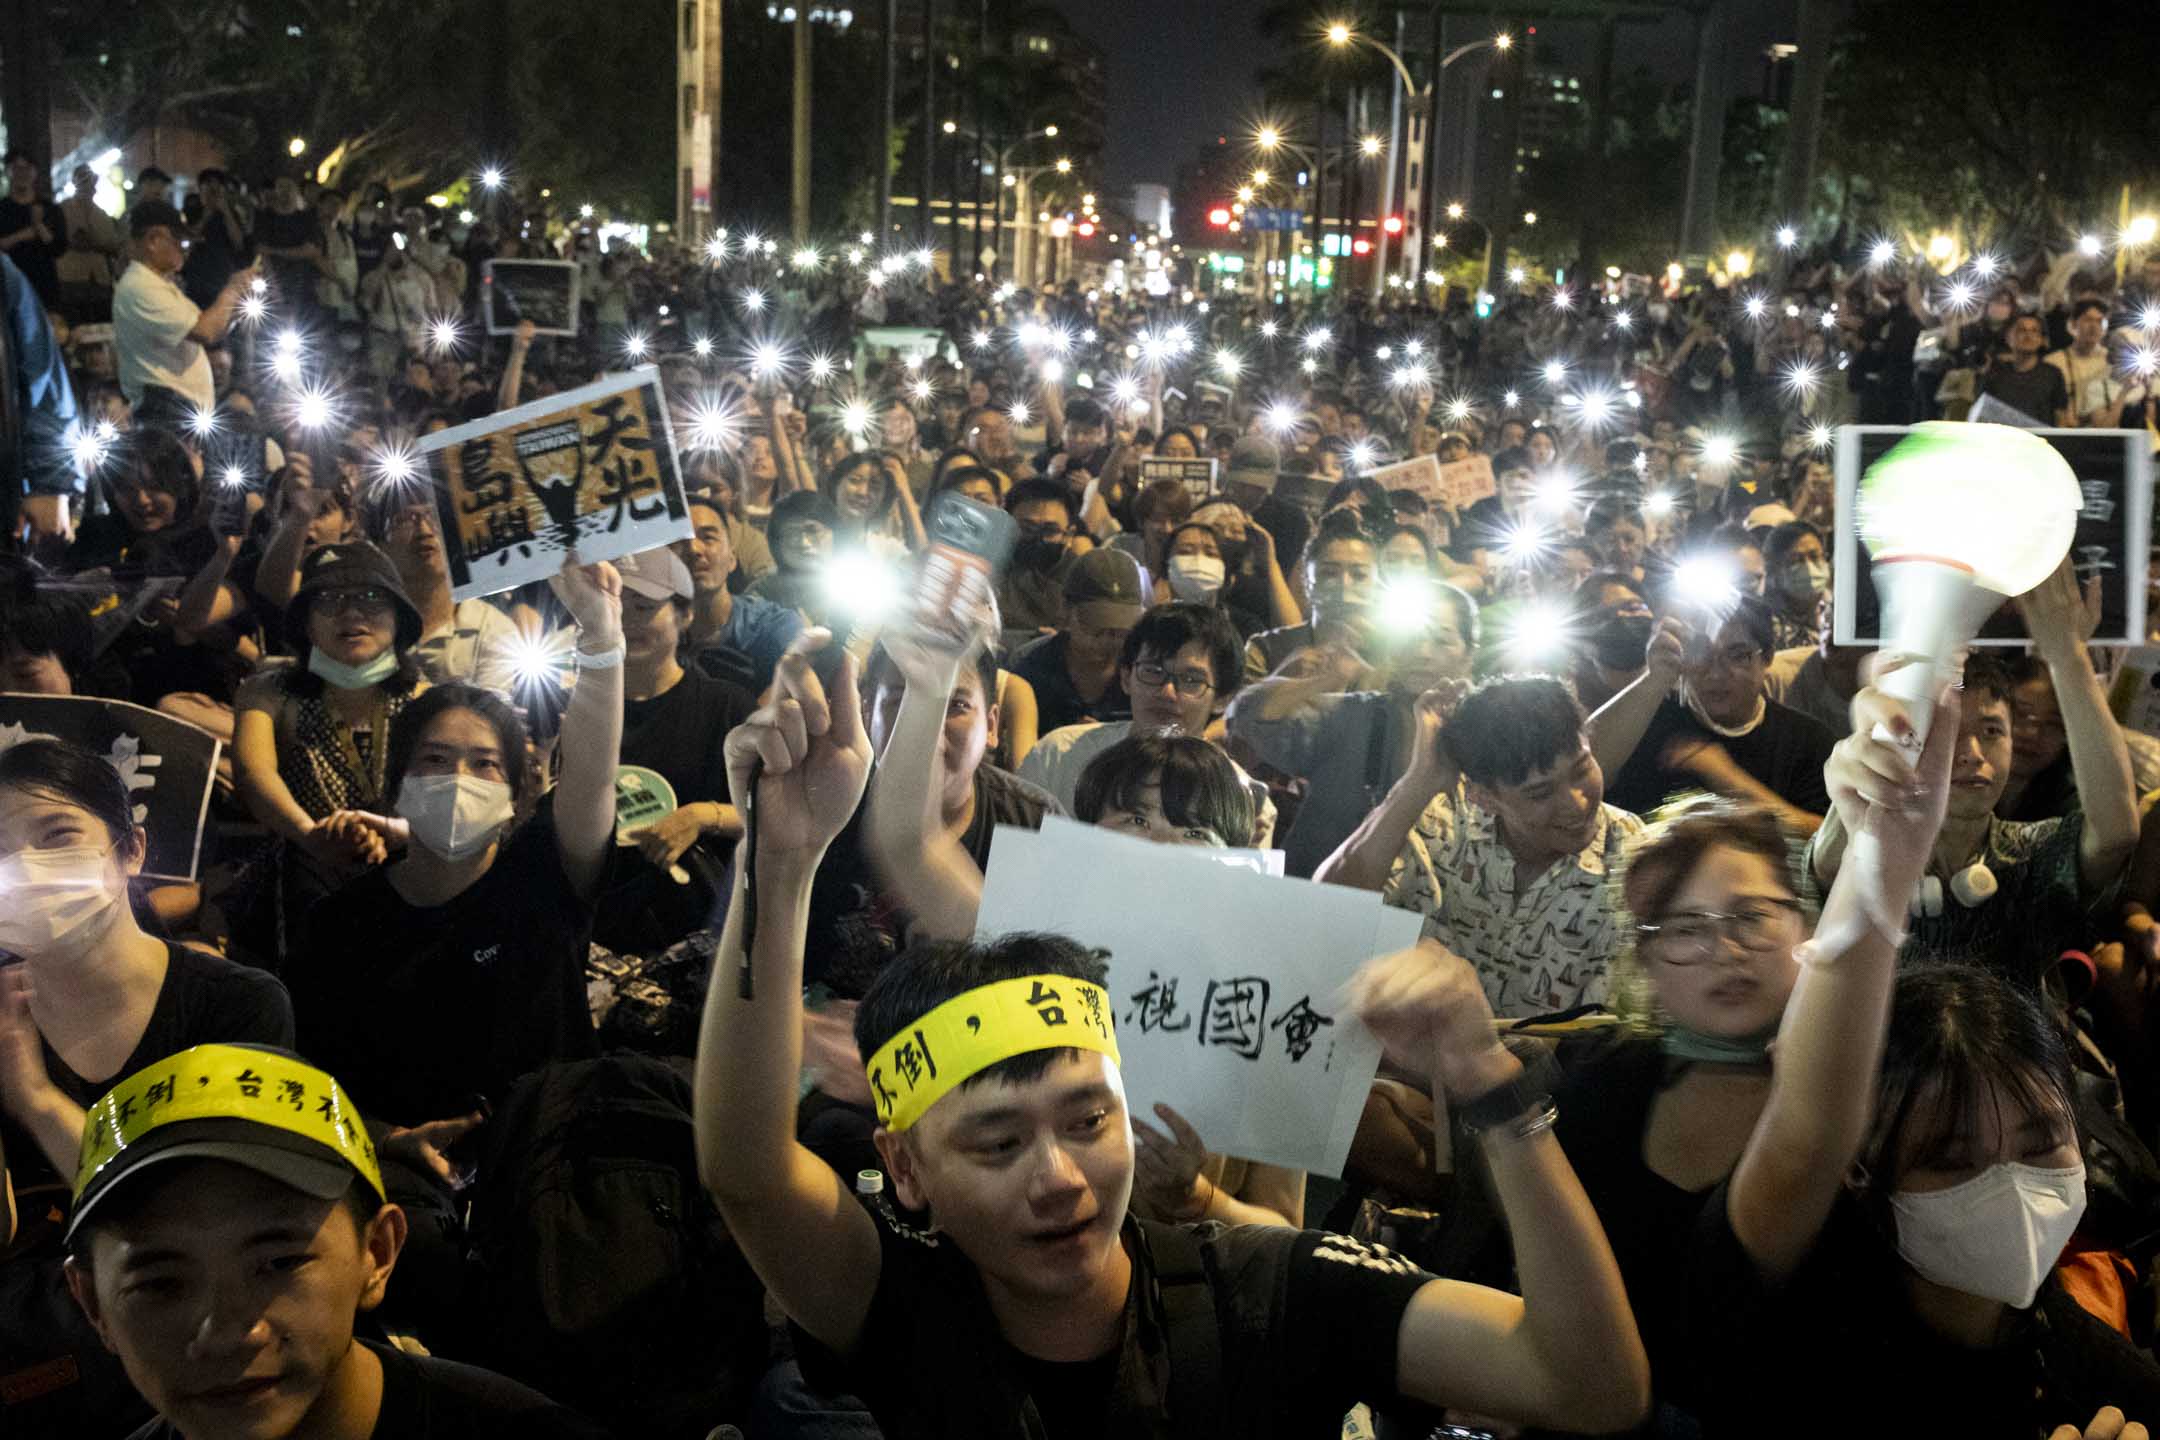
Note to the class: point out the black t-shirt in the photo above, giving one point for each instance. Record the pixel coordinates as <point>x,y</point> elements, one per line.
<point>205,999</point>
<point>1836,1350</point>
<point>680,731</point>
<point>1612,1080</point>
<point>38,261</point>
<point>855,927</point>
<point>286,232</point>
<point>1057,703</point>
<point>1307,1326</point>
<point>428,1399</point>
<point>417,1009</point>
<point>2040,392</point>
<point>1786,752</point>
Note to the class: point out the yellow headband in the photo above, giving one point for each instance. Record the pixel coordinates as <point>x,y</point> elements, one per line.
<point>973,1031</point>
<point>226,1082</point>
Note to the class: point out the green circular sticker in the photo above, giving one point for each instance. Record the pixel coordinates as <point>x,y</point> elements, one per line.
<point>642,796</point>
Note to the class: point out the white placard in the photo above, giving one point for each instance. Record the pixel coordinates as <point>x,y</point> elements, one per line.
<point>1228,985</point>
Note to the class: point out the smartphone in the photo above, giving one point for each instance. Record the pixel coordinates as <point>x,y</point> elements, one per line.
<point>969,545</point>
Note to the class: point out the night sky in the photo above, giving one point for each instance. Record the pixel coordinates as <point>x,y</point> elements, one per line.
<point>1182,71</point>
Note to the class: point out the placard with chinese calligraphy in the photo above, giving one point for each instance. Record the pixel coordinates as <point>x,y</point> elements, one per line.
<point>594,467</point>
<point>1226,984</point>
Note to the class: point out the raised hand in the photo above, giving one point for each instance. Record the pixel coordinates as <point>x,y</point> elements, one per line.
<point>593,596</point>
<point>814,752</point>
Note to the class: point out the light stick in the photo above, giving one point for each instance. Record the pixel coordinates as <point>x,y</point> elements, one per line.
<point>1957,518</point>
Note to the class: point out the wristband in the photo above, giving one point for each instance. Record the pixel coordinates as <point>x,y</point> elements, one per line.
<point>1521,1106</point>
<point>603,660</point>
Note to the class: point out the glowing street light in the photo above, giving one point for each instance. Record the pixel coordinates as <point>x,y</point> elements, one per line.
<point>1369,146</point>
<point>296,147</point>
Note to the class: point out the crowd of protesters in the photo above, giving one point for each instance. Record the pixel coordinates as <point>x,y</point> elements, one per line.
<point>1689,1124</point>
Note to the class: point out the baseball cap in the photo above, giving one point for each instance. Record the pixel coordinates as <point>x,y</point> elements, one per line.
<point>655,574</point>
<point>147,215</point>
<point>265,1109</point>
<point>1104,575</point>
<point>1254,460</point>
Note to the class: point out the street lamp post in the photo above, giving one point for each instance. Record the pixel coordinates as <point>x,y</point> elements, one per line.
<point>997,239</point>
<point>1340,34</point>
<point>1021,182</point>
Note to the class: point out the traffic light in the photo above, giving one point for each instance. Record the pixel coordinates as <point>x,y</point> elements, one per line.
<point>1219,216</point>
<point>1085,229</point>
<point>1392,224</point>
<point>1361,246</point>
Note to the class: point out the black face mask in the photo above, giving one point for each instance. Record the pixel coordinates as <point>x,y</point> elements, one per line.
<point>1619,643</point>
<point>1038,554</point>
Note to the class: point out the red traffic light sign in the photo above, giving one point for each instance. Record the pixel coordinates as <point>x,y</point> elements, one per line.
<point>1392,224</point>
<point>1219,216</point>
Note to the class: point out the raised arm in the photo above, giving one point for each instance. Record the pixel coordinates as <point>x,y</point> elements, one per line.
<point>1621,722</point>
<point>513,376</point>
<point>592,724</point>
<point>209,597</point>
<point>210,326</point>
<point>914,852</point>
<point>815,1248</point>
<point>1565,1355</point>
<point>1829,1046</point>
<point>1283,606</point>
<point>2058,616</point>
<point>277,578</point>
<point>1367,858</point>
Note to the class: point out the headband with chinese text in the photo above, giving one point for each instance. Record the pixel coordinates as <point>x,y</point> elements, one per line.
<point>226,1082</point>
<point>975,1030</point>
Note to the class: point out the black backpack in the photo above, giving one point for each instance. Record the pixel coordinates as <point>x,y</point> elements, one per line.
<point>607,1279</point>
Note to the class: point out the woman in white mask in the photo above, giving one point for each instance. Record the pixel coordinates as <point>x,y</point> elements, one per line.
<point>86,994</point>
<point>1881,1258</point>
<point>459,965</point>
<point>312,739</point>
<point>1195,565</point>
<point>1796,568</point>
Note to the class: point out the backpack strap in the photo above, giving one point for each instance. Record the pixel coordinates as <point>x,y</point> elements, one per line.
<point>1184,1279</point>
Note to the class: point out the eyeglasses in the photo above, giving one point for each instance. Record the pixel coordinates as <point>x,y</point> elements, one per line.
<point>1190,684</point>
<point>1691,937</point>
<point>367,602</point>
<point>407,521</point>
<point>1043,530</point>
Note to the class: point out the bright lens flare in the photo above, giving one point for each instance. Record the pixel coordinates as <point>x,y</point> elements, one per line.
<point>253,307</point>
<point>398,465</point>
<point>767,359</point>
<point>1709,581</point>
<point>233,477</point>
<point>203,424</point>
<point>1820,436</point>
<point>1228,365</point>
<point>1318,339</point>
<point>1720,450</point>
<point>821,369</point>
<point>1657,504</point>
<point>1280,418</point>
<point>443,334</point>
<point>1019,414</point>
<point>1802,377</point>
<point>855,417</point>
<point>862,586</point>
<point>1539,633</point>
<point>539,663</point>
<point>313,409</point>
<point>1555,372</point>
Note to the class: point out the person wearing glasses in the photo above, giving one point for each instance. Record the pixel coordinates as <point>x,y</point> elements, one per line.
<point>311,739</point>
<point>1699,718</point>
<point>1180,664</point>
<point>471,639</point>
<point>1031,592</point>
<point>1499,834</point>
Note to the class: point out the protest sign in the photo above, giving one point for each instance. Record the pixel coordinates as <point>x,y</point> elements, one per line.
<point>1988,410</point>
<point>1226,984</point>
<point>1465,482</point>
<point>1419,474</point>
<point>1197,476</point>
<point>168,765</point>
<point>2115,477</point>
<point>542,291</point>
<point>594,468</point>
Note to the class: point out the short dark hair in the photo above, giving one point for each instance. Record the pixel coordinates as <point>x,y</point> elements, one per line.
<point>927,975</point>
<point>1080,410</point>
<point>1334,527</point>
<point>1432,553</point>
<point>2090,302</point>
<point>799,505</point>
<point>1590,591</point>
<point>1038,492</point>
<point>1783,538</point>
<point>1508,729</point>
<point>412,722</point>
<point>1168,628</point>
<point>69,772</point>
<point>1159,497</point>
<point>1515,457</point>
<point>965,474</point>
<point>150,174</point>
<point>1986,678</point>
<point>1610,510</point>
<point>1198,785</point>
<point>47,625</point>
<point>1752,614</point>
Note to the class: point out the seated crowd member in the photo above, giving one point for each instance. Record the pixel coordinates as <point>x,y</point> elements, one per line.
<point>448,972</point>
<point>1181,664</point>
<point>227,1253</point>
<point>1075,673</point>
<point>2009,894</point>
<point>1697,719</point>
<point>1025,1169</point>
<point>731,637</point>
<point>1498,833</point>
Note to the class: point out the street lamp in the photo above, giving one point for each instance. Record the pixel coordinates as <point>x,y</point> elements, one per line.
<point>1340,34</point>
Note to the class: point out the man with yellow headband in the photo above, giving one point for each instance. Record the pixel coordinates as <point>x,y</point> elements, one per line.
<point>1015,1296</point>
<point>229,1226</point>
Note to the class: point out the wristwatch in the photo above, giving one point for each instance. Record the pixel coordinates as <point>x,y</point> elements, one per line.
<point>1521,1107</point>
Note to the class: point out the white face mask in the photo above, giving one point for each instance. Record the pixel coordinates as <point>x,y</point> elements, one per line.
<point>1997,1235</point>
<point>48,895</point>
<point>455,815</point>
<point>1195,577</point>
